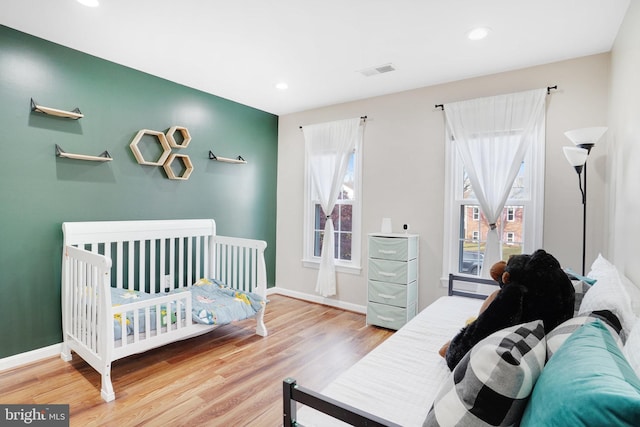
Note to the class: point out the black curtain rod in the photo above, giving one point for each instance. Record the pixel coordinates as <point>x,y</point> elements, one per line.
<point>549,89</point>
<point>361,118</point>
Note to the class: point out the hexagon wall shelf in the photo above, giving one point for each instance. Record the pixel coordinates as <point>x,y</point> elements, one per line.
<point>186,162</point>
<point>186,137</point>
<point>162,140</point>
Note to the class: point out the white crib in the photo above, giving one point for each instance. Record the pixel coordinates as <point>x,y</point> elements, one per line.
<point>153,257</point>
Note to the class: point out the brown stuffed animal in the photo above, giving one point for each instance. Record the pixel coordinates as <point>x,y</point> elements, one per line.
<point>498,274</point>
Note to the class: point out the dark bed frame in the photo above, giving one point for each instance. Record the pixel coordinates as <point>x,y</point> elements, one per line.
<point>292,393</point>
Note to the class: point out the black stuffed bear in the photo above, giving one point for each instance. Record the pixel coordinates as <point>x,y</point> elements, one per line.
<point>532,287</point>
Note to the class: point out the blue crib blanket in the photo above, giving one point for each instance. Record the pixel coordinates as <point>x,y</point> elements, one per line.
<point>213,303</point>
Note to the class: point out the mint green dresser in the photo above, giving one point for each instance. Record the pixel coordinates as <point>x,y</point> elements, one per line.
<point>392,279</point>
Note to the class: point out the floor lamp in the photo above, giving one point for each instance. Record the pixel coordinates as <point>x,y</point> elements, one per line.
<point>584,140</point>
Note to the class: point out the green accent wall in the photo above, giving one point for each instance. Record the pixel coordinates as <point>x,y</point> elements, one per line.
<point>39,191</point>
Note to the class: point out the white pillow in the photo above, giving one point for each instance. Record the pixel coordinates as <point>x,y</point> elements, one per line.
<point>631,349</point>
<point>609,293</point>
<point>634,293</point>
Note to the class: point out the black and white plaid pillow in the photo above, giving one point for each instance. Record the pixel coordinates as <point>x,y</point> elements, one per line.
<point>492,383</point>
<point>581,287</point>
<point>560,333</point>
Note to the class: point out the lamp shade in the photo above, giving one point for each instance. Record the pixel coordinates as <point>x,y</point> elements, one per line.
<point>575,156</point>
<point>585,135</point>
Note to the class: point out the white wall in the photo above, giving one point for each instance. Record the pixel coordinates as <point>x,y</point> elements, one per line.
<point>404,169</point>
<point>623,181</point>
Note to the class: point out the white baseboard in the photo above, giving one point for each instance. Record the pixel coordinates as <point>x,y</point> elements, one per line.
<point>30,356</point>
<point>318,299</point>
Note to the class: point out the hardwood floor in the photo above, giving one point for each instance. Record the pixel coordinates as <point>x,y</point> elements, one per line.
<point>229,377</point>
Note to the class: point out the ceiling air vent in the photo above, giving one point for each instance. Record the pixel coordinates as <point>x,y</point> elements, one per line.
<point>386,68</point>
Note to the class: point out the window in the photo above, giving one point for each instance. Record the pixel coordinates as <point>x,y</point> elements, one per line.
<point>345,216</point>
<point>520,224</point>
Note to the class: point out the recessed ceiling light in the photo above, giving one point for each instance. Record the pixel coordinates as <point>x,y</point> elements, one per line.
<point>282,86</point>
<point>478,33</point>
<point>89,3</point>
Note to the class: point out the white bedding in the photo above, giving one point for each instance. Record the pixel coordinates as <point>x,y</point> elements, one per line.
<point>398,380</point>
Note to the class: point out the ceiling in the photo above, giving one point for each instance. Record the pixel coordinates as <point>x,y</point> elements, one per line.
<point>240,49</point>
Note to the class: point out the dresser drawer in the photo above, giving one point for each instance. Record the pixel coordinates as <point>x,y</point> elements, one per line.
<point>392,294</point>
<point>401,272</point>
<point>393,248</point>
<point>388,316</point>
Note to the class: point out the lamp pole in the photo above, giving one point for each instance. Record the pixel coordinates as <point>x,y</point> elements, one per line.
<point>588,147</point>
<point>584,140</point>
<point>584,219</point>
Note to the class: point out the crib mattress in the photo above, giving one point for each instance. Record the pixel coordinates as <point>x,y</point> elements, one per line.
<point>212,304</point>
<point>399,379</point>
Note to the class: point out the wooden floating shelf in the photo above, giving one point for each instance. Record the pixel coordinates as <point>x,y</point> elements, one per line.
<point>186,162</point>
<point>238,160</point>
<point>73,114</point>
<point>186,137</point>
<point>103,157</point>
<point>161,139</point>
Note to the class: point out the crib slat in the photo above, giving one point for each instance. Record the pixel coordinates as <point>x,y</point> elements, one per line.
<point>189,261</point>
<point>166,316</point>
<point>198,249</point>
<point>180,266</point>
<point>162,270</point>
<point>223,264</point>
<point>85,296</point>
<point>152,263</point>
<point>74,296</point>
<point>123,329</point>
<point>141,266</point>
<point>81,300</point>
<point>93,309</point>
<point>119,270</point>
<point>241,277</point>
<point>172,260</point>
<point>254,268</point>
<point>158,319</point>
<point>130,264</point>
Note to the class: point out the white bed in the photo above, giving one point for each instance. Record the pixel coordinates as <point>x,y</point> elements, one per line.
<point>584,372</point>
<point>416,375</point>
<point>157,263</point>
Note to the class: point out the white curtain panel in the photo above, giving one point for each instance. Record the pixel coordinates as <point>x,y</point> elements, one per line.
<point>492,136</point>
<point>328,147</point>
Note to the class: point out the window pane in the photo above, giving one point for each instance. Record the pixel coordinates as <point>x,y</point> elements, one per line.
<point>348,185</point>
<point>320,218</point>
<point>473,236</point>
<point>317,243</point>
<point>518,189</point>
<point>512,232</point>
<point>342,217</point>
<point>472,239</point>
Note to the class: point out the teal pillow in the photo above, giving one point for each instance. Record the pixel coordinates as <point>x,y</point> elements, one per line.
<point>587,382</point>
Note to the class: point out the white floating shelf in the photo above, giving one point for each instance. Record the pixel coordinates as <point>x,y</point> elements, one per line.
<point>103,157</point>
<point>74,114</point>
<point>238,160</point>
